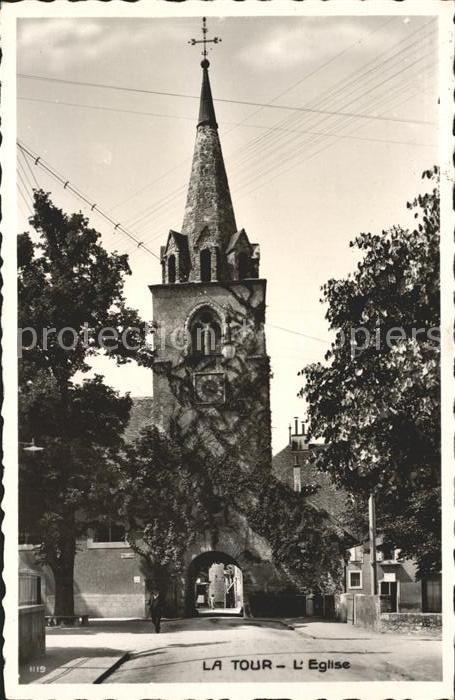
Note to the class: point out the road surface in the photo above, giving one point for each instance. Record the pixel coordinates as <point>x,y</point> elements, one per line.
<point>223,649</point>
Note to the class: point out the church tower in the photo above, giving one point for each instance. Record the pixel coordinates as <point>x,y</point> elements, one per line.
<point>211,372</point>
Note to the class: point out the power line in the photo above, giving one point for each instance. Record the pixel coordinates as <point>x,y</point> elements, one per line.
<point>341,89</point>
<point>312,155</point>
<point>291,108</point>
<point>257,111</point>
<point>168,199</point>
<point>295,150</point>
<point>40,162</point>
<point>28,166</point>
<point>246,126</point>
<point>25,185</point>
<point>24,197</point>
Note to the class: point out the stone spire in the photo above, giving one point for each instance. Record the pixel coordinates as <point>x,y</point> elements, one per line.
<point>209,248</point>
<point>208,204</point>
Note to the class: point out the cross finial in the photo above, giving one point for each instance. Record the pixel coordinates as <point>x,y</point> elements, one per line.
<point>204,41</point>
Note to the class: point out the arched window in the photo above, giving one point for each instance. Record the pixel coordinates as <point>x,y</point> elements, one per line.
<point>205,333</point>
<point>244,265</point>
<point>171,269</point>
<point>206,265</point>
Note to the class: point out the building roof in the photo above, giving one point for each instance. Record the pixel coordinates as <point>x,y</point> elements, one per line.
<point>328,497</point>
<point>140,416</point>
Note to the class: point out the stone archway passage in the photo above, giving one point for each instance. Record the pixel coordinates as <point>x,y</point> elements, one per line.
<point>214,585</point>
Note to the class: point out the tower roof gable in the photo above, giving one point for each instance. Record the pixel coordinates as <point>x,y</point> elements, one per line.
<point>237,239</point>
<point>179,239</point>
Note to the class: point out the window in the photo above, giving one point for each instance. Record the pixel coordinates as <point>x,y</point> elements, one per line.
<point>244,265</point>
<point>205,334</point>
<point>206,265</point>
<point>171,269</point>
<point>356,553</point>
<point>109,532</point>
<point>385,553</point>
<point>355,579</point>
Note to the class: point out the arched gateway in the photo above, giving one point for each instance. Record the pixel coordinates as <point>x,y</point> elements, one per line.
<point>214,583</point>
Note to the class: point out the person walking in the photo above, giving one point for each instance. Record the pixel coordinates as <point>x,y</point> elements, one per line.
<point>156,610</point>
<point>212,602</point>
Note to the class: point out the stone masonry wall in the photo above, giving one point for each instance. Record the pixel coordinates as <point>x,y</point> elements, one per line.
<point>208,200</point>
<point>411,623</point>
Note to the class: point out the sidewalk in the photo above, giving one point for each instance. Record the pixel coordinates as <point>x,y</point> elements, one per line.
<point>319,628</point>
<point>86,654</point>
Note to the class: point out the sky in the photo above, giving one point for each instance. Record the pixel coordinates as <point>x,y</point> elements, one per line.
<point>303,183</point>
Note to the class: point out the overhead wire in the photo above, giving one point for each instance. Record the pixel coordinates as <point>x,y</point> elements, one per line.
<point>353,78</point>
<point>294,150</point>
<point>291,108</point>
<point>306,151</point>
<point>322,120</point>
<point>29,169</point>
<point>264,155</point>
<point>167,201</point>
<point>152,209</point>
<point>170,197</point>
<point>23,180</point>
<point>243,122</point>
<point>375,87</point>
<point>94,207</point>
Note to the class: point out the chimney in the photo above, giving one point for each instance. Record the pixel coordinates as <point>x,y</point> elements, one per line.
<point>290,433</point>
<point>296,425</point>
<point>303,427</point>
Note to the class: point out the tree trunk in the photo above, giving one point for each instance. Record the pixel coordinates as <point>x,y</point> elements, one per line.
<point>64,579</point>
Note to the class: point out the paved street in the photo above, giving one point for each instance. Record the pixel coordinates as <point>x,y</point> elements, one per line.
<point>230,649</point>
<point>233,649</point>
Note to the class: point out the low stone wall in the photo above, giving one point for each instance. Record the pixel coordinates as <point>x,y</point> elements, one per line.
<point>32,637</point>
<point>411,623</point>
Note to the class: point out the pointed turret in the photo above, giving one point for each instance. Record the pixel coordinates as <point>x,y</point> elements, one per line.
<point>209,220</point>
<point>209,247</point>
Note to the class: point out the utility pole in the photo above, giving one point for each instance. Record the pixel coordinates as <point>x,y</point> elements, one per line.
<point>372,535</point>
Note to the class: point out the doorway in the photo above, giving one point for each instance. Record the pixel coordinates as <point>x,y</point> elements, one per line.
<point>390,588</point>
<point>214,585</point>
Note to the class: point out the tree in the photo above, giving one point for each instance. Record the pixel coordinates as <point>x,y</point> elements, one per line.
<point>303,541</point>
<point>376,400</point>
<point>70,307</point>
<point>159,501</point>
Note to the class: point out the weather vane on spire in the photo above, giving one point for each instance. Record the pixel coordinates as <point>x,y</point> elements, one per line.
<point>204,41</point>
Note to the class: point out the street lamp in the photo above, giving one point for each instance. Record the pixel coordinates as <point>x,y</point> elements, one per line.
<point>228,349</point>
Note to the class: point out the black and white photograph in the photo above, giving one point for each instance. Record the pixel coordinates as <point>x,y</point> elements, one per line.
<point>227,428</point>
